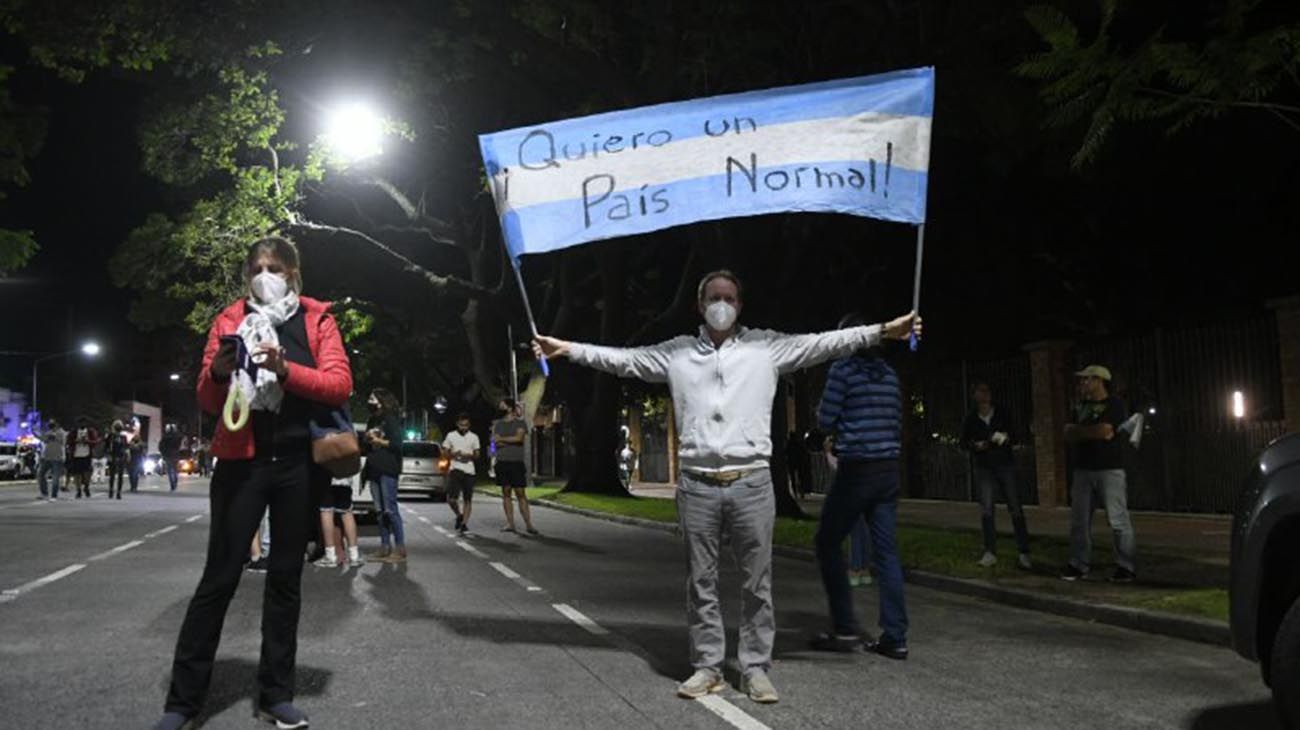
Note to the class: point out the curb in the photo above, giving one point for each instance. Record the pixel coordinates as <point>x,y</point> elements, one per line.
<point>1205,631</point>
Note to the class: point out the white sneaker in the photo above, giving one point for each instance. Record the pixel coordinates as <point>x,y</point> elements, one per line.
<point>759,687</point>
<point>703,682</point>
<point>988,561</point>
<point>1025,562</point>
<point>355,559</point>
<point>329,561</point>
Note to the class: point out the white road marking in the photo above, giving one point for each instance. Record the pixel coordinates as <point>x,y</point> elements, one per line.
<point>503,570</point>
<point>195,518</point>
<point>471,549</point>
<point>734,715</point>
<point>116,550</point>
<point>56,575</point>
<point>580,619</point>
<point>163,531</point>
<point>442,530</point>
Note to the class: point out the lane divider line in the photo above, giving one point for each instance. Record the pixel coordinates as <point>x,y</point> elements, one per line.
<point>503,570</point>
<point>156,533</point>
<point>116,550</point>
<point>737,717</point>
<point>471,549</point>
<point>579,618</point>
<point>56,575</point>
<point>195,518</point>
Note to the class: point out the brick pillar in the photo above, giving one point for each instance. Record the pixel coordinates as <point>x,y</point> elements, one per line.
<point>1287,314</point>
<point>1048,370</point>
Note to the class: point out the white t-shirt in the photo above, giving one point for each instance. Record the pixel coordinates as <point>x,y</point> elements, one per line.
<point>459,444</point>
<point>82,449</point>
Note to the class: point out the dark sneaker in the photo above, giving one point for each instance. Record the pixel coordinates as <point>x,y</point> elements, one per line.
<point>462,527</point>
<point>836,643</point>
<point>533,530</point>
<point>172,721</point>
<point>284,715</point>
<point>1072,573</point>
<point>886,649</point>
<point>257,566</point>
<point>1123,575</point>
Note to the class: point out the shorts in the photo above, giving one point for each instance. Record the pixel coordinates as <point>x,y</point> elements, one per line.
<point>336,498</point>
<point>512,474</point>
<point>79,465</point>
<point>460,484</point>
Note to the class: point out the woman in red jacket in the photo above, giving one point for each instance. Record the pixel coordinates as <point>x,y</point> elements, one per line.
<point>302,366</point>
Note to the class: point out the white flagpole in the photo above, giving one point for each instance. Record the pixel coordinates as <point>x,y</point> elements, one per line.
<point>528,308</point>
<point>916,281</point>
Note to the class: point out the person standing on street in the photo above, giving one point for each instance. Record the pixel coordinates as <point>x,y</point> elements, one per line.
<point>135,456</point>
<point>986,434</point>
<point>862,406</point>
<point>53,448</point>
<point>462,446</point>
<point>302,366</point>
<point>117,457</point>
<point>1098,457</point>
<point>81,446</point>
<point>723,381</point>
<point>169,446</point>
<point>509,432</point>
<point>384,439</point>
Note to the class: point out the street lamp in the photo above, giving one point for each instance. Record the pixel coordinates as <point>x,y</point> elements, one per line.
<point>1238,405</point>
<point>353,132</point>
<point>174,377</point>
<point>89,348</point>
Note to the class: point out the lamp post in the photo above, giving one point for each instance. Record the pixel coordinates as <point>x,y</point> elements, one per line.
<point>89,348</point>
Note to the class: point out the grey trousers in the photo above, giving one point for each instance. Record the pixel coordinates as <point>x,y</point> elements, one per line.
<point>743,513</point>
<point>1111,486</point>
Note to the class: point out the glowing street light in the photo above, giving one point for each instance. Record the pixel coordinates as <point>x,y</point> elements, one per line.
<point>1238,404</point>
<point>90,348</point>
<point>353,132</point>
<point>174,377</point>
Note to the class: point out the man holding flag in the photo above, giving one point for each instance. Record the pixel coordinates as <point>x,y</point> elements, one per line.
<point>723,382</point>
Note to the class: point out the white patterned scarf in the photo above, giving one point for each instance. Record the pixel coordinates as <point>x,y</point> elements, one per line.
<point>263,391</point>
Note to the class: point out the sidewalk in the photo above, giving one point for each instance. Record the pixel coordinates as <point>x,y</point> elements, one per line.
<point>1182,559</point>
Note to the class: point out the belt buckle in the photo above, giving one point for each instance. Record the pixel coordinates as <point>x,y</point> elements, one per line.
<point>727,478</point>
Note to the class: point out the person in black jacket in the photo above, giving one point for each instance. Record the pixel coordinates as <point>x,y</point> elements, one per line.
<point>986,434</point>
<point>383,440</point>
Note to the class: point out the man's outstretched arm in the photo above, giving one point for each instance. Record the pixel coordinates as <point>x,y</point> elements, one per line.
<point>643,363</point>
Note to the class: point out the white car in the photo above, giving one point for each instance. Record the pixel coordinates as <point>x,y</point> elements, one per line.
<point>10,464</point>
<point>424,470</point>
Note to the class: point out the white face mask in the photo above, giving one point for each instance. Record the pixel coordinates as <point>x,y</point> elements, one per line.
<point>269,287</point>
<point>720,315</point>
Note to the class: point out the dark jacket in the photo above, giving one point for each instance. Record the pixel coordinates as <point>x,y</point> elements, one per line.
<point>974,429</point>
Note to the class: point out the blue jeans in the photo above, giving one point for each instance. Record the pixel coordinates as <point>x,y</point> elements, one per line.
<point>50,470</point>
<point>173,472</point>
<point>863,489</point>
<point>384,492</point>
<point>859,545</point>
<point>1111,488</point>
<point>989,481</point>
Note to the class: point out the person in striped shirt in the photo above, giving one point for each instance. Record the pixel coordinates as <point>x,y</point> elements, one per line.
<point>863,407</point>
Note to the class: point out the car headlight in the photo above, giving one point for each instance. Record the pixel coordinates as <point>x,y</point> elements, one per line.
<point>149,464</point>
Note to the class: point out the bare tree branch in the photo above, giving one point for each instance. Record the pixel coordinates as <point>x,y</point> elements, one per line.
<point>444,284</point>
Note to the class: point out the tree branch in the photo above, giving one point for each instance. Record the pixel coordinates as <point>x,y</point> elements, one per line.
<point>444,284</point>
<point>1268,106</point>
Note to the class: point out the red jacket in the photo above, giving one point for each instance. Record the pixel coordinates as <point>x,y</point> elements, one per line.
<point>330,382</point>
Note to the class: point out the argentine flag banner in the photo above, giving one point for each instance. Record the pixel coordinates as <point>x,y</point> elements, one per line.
<point>859,146</point>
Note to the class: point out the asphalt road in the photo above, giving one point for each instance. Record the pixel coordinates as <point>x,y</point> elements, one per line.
<point>580,628</point>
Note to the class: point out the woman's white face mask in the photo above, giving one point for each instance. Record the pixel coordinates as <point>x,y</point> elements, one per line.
<point>268,287</point>
<point>720,315</point>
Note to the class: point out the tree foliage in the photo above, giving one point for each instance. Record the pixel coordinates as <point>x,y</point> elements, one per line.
<point>1243,63</point>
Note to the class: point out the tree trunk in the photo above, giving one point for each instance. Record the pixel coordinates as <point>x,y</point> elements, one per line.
<point>786,504</point>
<point>596,457</point>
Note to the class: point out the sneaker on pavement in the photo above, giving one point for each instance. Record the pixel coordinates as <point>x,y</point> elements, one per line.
<point>355,560</point>
<point>827,641</point>
<point>172,721</point>
<point>703,682</point>
<point>988,560</point>
<point>257,566</point>
<point>459,523</point>
<point>1123,575</point>
<point>329,561</point>
<point>462,528</point>
<point>759,687</point>
<point>1024,562</point>
<point>533,530</point>
<point>284,715</point>
<point>508,528</point>
<point>379,555</point>
<point>887,649</point>
<point>1072,573</point>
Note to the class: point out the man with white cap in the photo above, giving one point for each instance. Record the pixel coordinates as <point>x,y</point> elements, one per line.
<point>1098,456</point>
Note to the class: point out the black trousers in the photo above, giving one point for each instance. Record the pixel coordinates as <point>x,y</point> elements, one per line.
<point>240,492</point>
<point>116,472</point>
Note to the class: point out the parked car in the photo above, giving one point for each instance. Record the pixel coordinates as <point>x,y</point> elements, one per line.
<point>1265,574</point>
<point>424,470</point>
<point>10,464</point>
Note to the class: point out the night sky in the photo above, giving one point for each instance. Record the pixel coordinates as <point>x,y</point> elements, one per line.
<point>1163,230</point>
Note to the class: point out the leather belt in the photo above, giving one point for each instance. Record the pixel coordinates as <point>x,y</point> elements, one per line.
<point>719,478</point>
